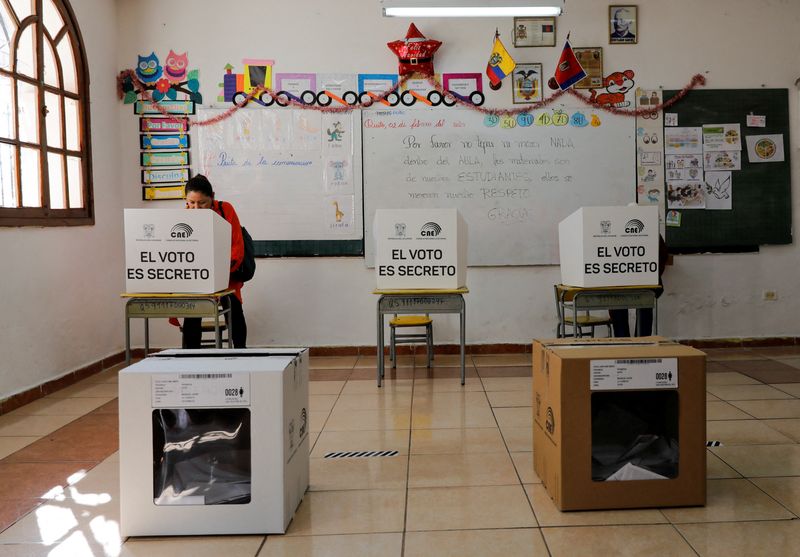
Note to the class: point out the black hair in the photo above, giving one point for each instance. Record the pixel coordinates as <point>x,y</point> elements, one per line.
<point>199,183</point>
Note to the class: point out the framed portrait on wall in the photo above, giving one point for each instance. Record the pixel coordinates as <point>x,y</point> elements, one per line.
<point>527,84</point>
<point>591,59</point>
<point>534,31</point>
<point>623,24</point>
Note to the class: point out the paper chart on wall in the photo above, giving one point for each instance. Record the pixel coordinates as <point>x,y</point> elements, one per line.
<point>765,148</point>
<point>719,190</point>
<point>685,195</point>
<point>722,137</point>
<point>722,160</point>
<point>683,141</point>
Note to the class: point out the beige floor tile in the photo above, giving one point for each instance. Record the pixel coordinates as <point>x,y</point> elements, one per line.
<point>42,550</point>
<point>99,485</point>
<point>86,389</point>
<point>440,416</point>
<point>791,388</point>
<point>790,427</point>
<point>519,384</point>
<point>506,399</point>
<point>371,387</point>
<point>332,362</point>
<point>497,360</point>
<point>514,417</point>
<point>367,420</point>
<point>339,474</point>
<point>744,432</point>
<point>196,546</point>
<point>346,441</point>
<point>661,540</point>
<point>762,461</point>
<point>784,490</point>
<point>791,361</point>
<point>316,420</point>
<point>321,403</point>
<point>371,362</point>
<point>349,512</point>
<point>380,401</point>
<point>518,439</point>
<point>110,375</point>
<point>716,469</point>
<point>722,354</point>
<point>325,387</point>
<point>446,384</point>
<point>15,424</point>
<point>730,501</point>
<point>730,378</point>
<point>10,445</point>
<point>467,508</point>
<point>352,545</point>
<point>441,360</point>
<point>710,397</point>
<point>63,406</point>
<point>721,410</point>
<point>770,408</point>
<point>450,399</point>
<point>471,469</point>
<point>456,441</point>
<point>548,514</point>
<point>746,392</point>
<point>524,542</point>
<point>523,463</point>
<point>780,538</point>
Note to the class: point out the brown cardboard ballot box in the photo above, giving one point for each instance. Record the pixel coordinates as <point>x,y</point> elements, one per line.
<point>619,423</point>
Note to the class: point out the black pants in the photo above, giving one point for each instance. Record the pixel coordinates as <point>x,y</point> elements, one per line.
<point>192,331</point>
<point>619,322</point>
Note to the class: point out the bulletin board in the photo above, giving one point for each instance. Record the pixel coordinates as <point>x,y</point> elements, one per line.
<point>761,209</point>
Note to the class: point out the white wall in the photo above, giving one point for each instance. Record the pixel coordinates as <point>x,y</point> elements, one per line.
<point>60,306</point>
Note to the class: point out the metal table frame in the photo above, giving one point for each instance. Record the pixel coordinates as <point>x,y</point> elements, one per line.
<point>156,305</point>
<point>421,301</point>
<point>605,298</point>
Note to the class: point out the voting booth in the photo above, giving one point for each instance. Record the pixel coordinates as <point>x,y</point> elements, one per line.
<point>176,250</point>
<point>420,248</point>
<point>213,441</point>
<point>609,246</point>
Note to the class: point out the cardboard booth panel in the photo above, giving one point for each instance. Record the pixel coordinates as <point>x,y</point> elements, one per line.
<point>609,246</point>
<point>176,250</point>
<point>213,441</point>
<point>420,248</point>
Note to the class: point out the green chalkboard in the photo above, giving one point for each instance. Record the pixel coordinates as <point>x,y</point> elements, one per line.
<point>761,205</point>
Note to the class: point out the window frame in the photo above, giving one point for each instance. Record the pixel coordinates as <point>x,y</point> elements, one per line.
<point>45,215</point>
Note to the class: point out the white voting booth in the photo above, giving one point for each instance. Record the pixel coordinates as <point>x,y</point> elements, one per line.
<point>420,248</point>
<point>609,246</point>
<point>176,250</point>
<point>213,441</point>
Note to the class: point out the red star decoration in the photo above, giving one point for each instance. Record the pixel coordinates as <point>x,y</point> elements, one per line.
<point>415,52</point>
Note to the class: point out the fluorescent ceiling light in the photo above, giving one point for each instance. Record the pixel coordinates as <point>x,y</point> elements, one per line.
<point>472,8</point>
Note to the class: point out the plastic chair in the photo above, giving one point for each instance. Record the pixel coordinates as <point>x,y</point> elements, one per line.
<point>401,322</point>
<point>585,319</point>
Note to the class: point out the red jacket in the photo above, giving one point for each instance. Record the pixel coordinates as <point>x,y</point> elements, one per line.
<point>226,211</point>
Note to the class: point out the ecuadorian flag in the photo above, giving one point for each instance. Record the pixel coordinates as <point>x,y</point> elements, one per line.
<point>500,63</point>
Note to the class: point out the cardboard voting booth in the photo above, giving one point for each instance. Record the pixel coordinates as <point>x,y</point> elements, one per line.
<point>609,246</point>
<point>420,248</point>
<point>619,423</point>
<point>213,441</point>
<point>176,250</point>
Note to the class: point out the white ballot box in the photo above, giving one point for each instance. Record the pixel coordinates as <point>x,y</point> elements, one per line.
<point>420,248</point>
<point>609,246</point>
<point>176,250</point>
<point>213,441</point>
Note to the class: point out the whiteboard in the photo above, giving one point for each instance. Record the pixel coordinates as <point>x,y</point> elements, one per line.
<point>291,174</point>
<point>512,179</point>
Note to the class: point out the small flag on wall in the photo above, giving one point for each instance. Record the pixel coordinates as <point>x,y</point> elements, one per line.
<point>568,71</point>
<point>500,65</point>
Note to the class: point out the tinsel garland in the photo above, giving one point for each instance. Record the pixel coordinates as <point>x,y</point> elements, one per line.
<point>697,80</point>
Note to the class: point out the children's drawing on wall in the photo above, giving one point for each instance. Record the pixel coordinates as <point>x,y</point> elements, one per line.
<point>719,190</point>
<point>684,161</point>
<point>722,160</point>
<point>339,215</point>
<point>673,218</point>
<point>338,175</point>
<point>683,141</point>
<point>164,81</point>
<point>306,130</point>
<point>685,195</point>
<point>617,86</point>
<point>337,133</point>
<point>684,174</point>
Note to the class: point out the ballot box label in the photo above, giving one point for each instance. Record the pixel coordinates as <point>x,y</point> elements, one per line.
<point>193,389</point>
<point>631,374</point>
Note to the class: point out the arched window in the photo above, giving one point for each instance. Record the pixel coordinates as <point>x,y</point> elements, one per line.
<point>45,153</point>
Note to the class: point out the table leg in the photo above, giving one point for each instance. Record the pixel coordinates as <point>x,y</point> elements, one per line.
<point>655,317</point>
<point>127,338</point>
<point>146,336</point>
<point>380,343</point>
<point>463,314</point>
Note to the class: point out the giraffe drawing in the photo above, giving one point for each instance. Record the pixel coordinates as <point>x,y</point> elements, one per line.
<point>339,214</point>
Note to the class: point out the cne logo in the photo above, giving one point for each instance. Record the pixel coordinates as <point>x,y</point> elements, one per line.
<point>181,230</point>
<point>634,226</point>
<point>430,229</point>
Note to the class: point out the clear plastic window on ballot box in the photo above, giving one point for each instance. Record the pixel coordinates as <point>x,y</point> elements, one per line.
<point>634,435</point>
<point>201,456</point>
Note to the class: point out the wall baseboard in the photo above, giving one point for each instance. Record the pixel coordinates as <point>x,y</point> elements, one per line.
<point>21,399</point>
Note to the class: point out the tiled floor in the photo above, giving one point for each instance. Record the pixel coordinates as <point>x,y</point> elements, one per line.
<point>461,484</point>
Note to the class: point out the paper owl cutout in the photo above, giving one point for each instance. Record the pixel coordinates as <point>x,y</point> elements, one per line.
<point>175,67</point>
<point>148,69</point>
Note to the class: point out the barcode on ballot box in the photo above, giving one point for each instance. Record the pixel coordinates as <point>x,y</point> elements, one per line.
<point>206,375</point>
<point>642,361</point>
